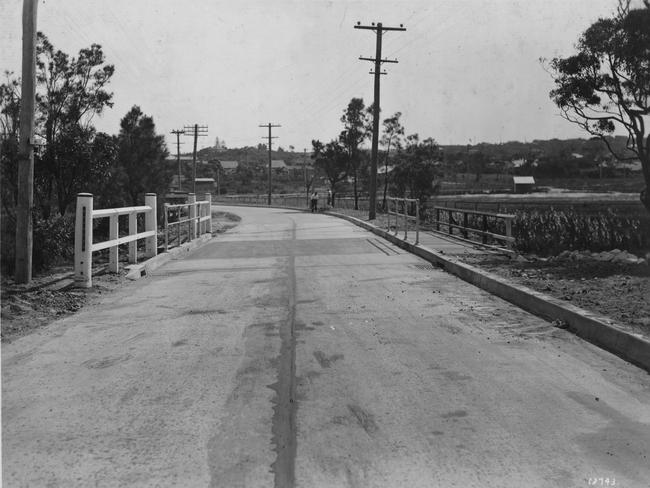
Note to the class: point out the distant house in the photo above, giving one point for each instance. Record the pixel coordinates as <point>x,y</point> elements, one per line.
<point>523,184</point>
<point>229,166</point>
<point>278,165</point>
<point>204,185</point>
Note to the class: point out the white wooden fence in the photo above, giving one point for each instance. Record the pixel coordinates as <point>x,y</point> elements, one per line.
<point>197,215</point>
<point>83,239</point>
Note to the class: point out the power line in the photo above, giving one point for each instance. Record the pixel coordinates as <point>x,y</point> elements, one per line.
<point>195,130</point>
<point>379,30</point>
<point>270,138</point>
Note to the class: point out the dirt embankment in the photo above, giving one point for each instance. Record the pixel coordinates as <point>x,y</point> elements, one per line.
<point>618,290</point>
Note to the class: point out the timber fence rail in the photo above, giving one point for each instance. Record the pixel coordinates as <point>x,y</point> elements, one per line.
<point>471,224</point>
<point>84,245</point>
<point>196,215</point>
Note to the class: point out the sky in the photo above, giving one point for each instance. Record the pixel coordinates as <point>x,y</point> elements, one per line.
<point>468,71</point>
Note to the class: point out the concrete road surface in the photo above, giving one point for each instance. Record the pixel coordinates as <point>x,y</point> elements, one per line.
<point>299,350</point>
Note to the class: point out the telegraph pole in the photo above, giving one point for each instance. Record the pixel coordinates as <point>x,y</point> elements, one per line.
<point>178,154</point>
<point>24,237</point>
<point>379,30</point>
<point>270,138</point>
<point>195,130</point>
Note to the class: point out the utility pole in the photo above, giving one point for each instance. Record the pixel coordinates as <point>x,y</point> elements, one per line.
<point>195,130</point>
<point>270,138</point>
<point>24,237</point>
<point>178,154</point>
<point>379,30</point>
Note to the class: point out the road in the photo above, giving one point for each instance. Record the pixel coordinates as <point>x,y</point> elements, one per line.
<point>299,350</point>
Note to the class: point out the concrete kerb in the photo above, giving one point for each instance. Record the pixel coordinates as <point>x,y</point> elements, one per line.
<point>597,329</point>
<point>137,271</point>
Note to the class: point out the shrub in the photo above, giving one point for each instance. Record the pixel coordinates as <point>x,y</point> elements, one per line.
<point>553,231</point>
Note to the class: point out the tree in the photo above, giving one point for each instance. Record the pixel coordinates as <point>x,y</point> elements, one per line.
<point>606,85</point>
<point>355,122</point>
<point>392,136</point>
<point>141,157</point>
<point>332,159</point>
<point>9,127</point>
<point>70,92</point>
<point>416,172</point>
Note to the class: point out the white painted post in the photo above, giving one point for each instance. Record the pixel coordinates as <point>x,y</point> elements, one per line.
<point>83,241</point>
<point>133,245</point>
<point>165,213</point>
<point>208,197</point>
<point>406,223</point>
<point>151,223</point>
<point>191,200</point>
<point>113,233</point>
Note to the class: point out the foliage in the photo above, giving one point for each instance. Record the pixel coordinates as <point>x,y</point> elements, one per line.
<point>9,125</point>
<point>355,131</point>
<point>70,92</point>
<point>332,160</point>
<point>416,172</point>
<point>391,138</point>
<point>607,83</point>
<point>548,232</point>
<point>140,166</point>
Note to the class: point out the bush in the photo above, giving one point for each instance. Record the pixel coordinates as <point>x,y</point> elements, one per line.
<point>553,231</point>
<point>53,241</point>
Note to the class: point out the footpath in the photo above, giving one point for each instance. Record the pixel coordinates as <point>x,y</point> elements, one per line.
<point>448,252</point>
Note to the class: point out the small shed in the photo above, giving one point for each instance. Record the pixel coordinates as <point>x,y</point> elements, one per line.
<point>279,165</point>
<point>204,185</point>
<point>229,166</point>
<point>523,184</point>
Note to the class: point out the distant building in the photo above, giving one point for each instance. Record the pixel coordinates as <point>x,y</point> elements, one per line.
<point>204,185</point>
<point>523,184</point>
<point>278,165</point>
<point>229,166</point>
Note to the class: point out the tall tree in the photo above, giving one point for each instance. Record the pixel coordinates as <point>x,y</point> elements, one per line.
<point>355,122</point>
<point>606,85</point>
<point>9,127</point>
<point>416,173</point>
<point>332,160</point>
<point>71,91</point>
<point>391,138</point>
<point>141,154</point>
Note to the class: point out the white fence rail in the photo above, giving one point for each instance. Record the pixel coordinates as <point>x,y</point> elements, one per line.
<point>83,239</point>
<point>197,215</point>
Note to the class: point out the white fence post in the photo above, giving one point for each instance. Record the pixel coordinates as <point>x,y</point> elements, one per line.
<point>208,197</point>
<point>113,252</point>
<point>151,223</point>
<point>191,199</point>
<point>83,235</point>
<point>133,245</point>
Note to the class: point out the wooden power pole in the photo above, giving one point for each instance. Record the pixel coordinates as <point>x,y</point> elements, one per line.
<point>24,238</point>
<point>379,30</point>
<point>178,134</point>
<point>195,130</point>
<point>270,138</point>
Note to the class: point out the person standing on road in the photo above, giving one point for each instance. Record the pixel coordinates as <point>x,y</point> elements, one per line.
<point>314,201</point>
<point>329,197</point>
